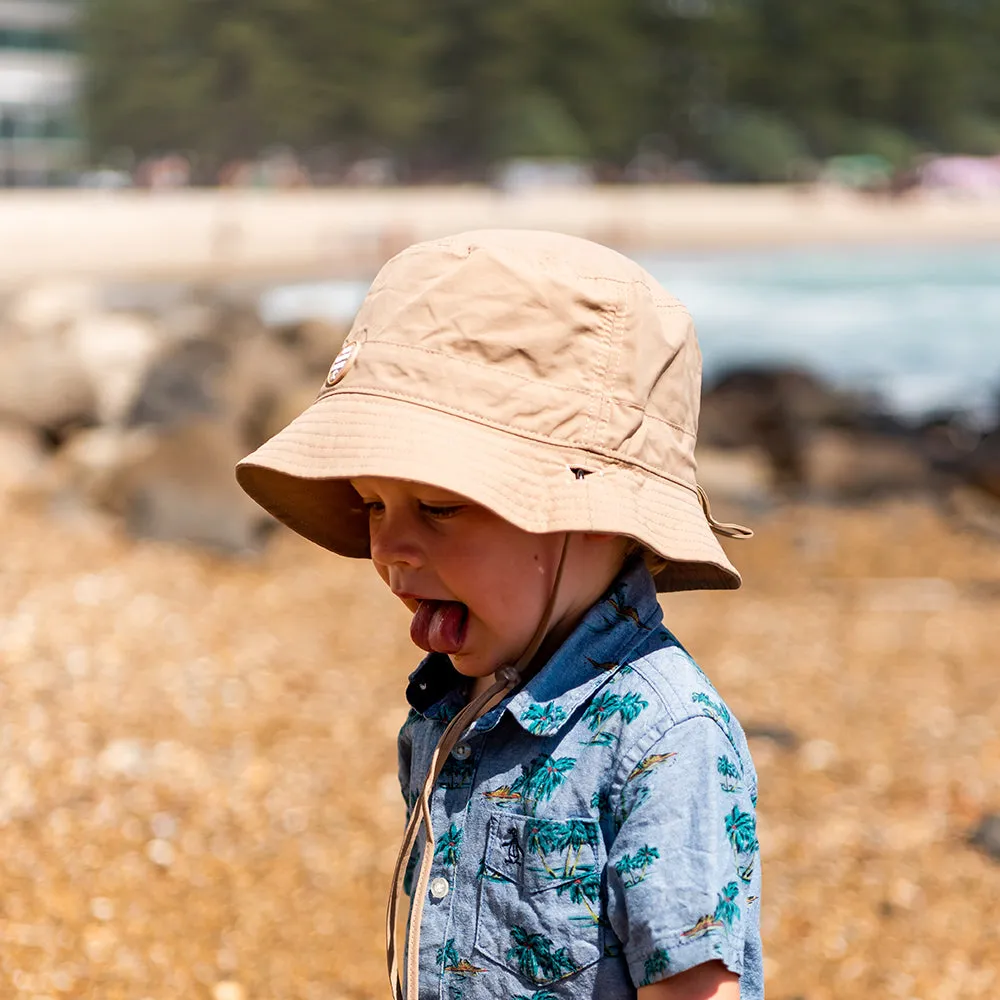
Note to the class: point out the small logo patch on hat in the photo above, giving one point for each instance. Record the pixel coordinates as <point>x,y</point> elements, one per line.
<point>341,363</point>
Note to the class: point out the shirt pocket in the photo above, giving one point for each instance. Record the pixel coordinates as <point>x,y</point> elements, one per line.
<point>541,890</point>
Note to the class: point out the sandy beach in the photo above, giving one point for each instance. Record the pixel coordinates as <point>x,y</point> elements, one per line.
<point>199,794</point>
<point>201,234</point>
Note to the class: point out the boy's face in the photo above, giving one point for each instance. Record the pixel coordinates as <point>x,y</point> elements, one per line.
<point>476,584</point>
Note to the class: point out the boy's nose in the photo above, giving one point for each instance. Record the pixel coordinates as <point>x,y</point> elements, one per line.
<point>394,544</point>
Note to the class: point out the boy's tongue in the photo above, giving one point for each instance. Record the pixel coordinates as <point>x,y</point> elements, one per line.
<point>439,626</point>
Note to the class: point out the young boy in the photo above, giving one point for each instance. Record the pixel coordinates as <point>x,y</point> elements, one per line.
<point>508,434</point>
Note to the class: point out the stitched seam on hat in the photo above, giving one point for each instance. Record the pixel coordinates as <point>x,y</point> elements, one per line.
<point>652,416</point>
<point>476,418</point>
<point>340,387</point>
<point>594,420</point>
<point>609,396</point>
<point>657,291</point>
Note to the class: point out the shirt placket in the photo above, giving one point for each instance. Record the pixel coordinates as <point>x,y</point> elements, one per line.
<point>451,888</point>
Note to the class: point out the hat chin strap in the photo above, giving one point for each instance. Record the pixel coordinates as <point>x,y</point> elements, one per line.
<point>507,678</point>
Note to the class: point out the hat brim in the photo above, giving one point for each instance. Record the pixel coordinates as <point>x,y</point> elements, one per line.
<point>300,476</point>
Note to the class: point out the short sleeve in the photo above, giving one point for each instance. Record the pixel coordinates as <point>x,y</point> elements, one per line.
<point>683,866</point>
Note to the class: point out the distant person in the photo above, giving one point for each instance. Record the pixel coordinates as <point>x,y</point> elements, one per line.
<point>508,434</point>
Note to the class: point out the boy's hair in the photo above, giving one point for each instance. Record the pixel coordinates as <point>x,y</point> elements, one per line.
<point>654,563</point>
<point>546,378</point>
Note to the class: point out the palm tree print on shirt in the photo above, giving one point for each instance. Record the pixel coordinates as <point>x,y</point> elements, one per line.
<point>633,868</point>
<point>607,705</point>
<point>713,709</point>
<point>448,960</point>
<point>584,887</point>
<point>457,773</point>
<point>540,719</point>
<point>488,875</point>
<point>601,801</point>
<point>536,958</point>
<point>548,836</point>
<point>536,783</point>
<point>447,954</point>
<point>726,909</point>
<point>539,995</point>
<point>574,835</point>
<point>448,846</point>
<point>730,775</point>
<point>741,829</point>
<point>657,963</point>
<point>559,846</point>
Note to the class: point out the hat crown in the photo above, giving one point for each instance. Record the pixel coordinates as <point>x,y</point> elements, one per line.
<point>542,334</point>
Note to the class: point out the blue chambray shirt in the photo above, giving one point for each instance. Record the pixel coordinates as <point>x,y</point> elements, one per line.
<point>596,831</point>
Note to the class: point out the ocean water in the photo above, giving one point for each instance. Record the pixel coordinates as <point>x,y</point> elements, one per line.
<point>918,326</point>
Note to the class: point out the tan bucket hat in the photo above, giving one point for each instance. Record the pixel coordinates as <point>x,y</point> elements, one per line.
<point>545,377</point>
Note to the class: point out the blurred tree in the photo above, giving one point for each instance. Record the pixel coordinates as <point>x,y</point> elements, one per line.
<point>227,78</point>
<point>450,86</point>
<point>537,77</point>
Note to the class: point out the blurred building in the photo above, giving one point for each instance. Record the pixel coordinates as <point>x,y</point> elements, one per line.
<point>40,142</point>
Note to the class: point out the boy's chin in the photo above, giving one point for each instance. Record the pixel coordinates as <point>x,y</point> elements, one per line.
<point>472,666</point>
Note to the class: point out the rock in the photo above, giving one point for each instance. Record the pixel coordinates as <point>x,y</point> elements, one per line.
<point>22,459</point>
<point>780,736</point>
<point>772,409</point>
<point>982,467</point>
<point>242,381</point>
<point>228,989</point>
<point>42,383</point>
<point>125,758</point>
<point>742,475</point>
<point>183,489</point>
<point>822,443</point>
<point>49,305</point>
<point>115,350</point>
<point>164,483</point>
<point>260,373</point>
<point>161,852</point>
<point>848,464</point>
<point>986,836</point>
<point>180,385</point>
<point>86,470</point>
<point>316,343</point>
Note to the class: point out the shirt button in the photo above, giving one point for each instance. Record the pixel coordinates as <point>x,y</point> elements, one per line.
<point>461,751</point>
<point>439,887</point>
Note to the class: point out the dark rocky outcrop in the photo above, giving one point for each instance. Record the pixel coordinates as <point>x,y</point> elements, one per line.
<point>821,443</point>
<point>986,836</point>
<point>145,411</point>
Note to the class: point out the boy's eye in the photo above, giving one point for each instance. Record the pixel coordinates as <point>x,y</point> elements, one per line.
<point>440,511</point>
<point>373,506</point>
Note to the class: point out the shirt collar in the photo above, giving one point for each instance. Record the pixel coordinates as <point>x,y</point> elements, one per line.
<point>594,651</point>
